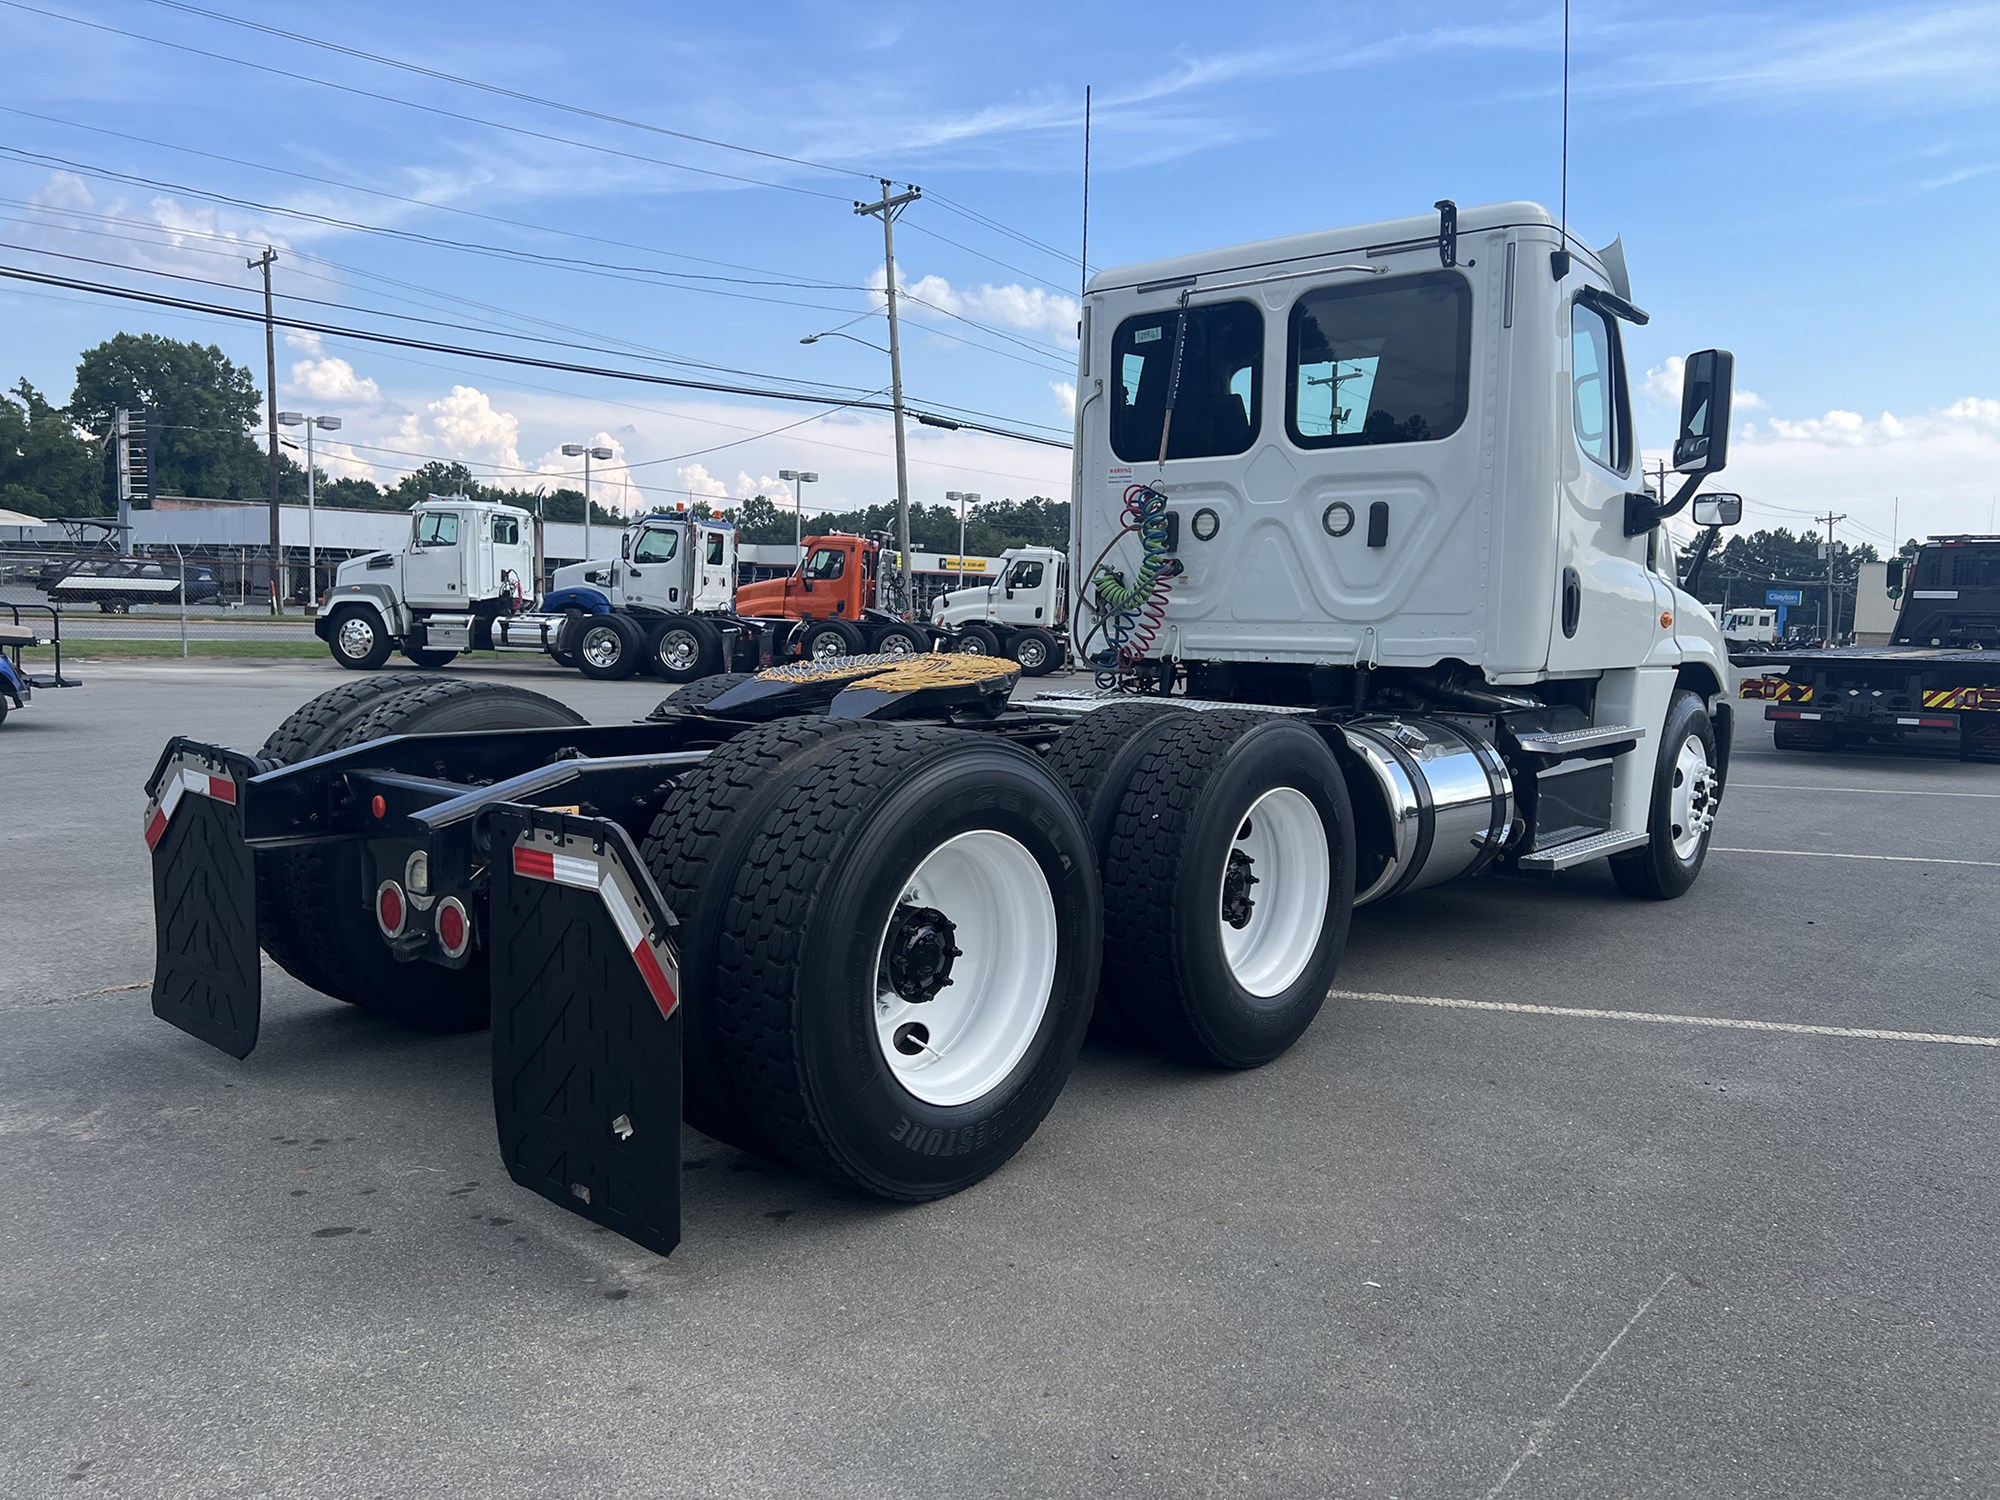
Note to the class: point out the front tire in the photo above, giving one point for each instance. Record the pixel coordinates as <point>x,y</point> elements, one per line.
<point>358,640</point>
<point>907,965</point>
<point>1686,793</point>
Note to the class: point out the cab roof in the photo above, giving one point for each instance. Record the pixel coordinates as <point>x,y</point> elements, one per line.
<point>460,502</point>
<point>1412,233</point>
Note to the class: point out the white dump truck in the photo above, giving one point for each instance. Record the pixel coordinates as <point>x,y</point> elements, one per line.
<point>1022,612</point>
<point>1365,566</point>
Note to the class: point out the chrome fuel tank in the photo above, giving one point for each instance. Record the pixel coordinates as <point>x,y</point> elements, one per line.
<point>1446,801</point>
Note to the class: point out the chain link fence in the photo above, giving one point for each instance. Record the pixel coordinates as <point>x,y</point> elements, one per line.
<point>167,603</point>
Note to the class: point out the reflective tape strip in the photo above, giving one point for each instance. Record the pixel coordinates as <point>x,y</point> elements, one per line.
<point>563,869</point>
<point>626,915</point>
<point>186,779</point>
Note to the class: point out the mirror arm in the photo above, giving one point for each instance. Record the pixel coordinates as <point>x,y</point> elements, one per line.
<point>1643,512</point>
<point>1705,546</point>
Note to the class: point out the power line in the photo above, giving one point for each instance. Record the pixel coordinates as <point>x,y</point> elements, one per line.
<point>779,278</point>
<point>507,93</point>
<point>983,220</point>
<point>494,355</point>
<point>430,109</point>
<point>994,259</point>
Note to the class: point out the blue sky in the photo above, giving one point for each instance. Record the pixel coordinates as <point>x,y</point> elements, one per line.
<point>1811,185</point>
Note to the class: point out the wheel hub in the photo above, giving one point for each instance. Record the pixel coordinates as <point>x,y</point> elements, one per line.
<point>677,650</point>
<point>357,637</point>
<point>919,952</point>
<point>1237,880</point>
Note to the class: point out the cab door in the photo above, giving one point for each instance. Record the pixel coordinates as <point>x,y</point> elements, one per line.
<point>714,568</point>
<point>1610,601</point>
<point>434,567</point>
<point>655,568</point>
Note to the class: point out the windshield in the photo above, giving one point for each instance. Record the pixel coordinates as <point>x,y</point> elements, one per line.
<point>825,563</point>
<point>437,528</point>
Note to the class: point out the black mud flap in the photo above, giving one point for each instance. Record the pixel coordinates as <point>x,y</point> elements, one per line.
<point>586,1023</point>
<point>205,966</point>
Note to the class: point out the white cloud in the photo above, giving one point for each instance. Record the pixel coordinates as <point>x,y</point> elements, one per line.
<point>466,426</point>
<point>1663,386</point>
<point>1916,474</point>
<point>696,480</point>
<point>332,381</point>
<point>1011,305</point>
<point>1065,394</point>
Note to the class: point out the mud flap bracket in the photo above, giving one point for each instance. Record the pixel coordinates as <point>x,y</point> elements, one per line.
<point>586,1023</point>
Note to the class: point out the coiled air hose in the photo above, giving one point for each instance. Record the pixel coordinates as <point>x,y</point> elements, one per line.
<point>1130,614</point>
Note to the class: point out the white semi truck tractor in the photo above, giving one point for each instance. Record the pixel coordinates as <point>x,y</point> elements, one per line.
<point>1022,612</point>
<point>1363,559</point>
<point>467,564</point>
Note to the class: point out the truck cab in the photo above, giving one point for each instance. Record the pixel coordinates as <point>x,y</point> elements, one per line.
<point>1393,468</point>
<point>668,563</point>
<point>837,579</point>
<point>1031,588</point>
<point>467,563</point>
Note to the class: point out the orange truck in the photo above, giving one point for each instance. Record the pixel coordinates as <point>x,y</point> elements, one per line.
<point>835,593</point>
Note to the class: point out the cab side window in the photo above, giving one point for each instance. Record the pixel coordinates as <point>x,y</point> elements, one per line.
<point>711,553</point>
<point>826,564</point>
<point>656,547</point>
<point>437,528</point>
<point>1026,575</point>
<point>1601,404</point>
<point>506,531</point>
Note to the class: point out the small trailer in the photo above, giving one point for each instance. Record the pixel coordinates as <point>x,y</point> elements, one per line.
<point>1377,600</point>
<point>17,684</point>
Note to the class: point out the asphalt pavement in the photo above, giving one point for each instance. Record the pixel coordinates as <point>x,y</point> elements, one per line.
<point>1563,1195</point>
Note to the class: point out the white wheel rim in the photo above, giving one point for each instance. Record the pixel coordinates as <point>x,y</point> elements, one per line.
<point>979,1026</point>
<point>898,645</point>
<point>1694,801</point>
<point>1284,841</point>
<point>602,646</point>
<point>678,650</point>
<point>828,643</point>
<point>357,637</point>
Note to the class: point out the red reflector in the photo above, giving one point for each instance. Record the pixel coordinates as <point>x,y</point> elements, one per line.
<point>1781,713</point>
<point>1936,724</point>
<point>454,928</point>
<point>155,828</point>
<point>222,789</point>
<point>379,806</point>
<point>389,912</point>
<point>537,864</point>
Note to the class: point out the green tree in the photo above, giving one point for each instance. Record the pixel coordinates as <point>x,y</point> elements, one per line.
<point>47,468</point>
<point>436,478</point>
<point>203,407</point>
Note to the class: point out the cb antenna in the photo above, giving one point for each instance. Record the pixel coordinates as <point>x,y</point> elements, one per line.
<point>1559,262</point>
<point>1083,272</point>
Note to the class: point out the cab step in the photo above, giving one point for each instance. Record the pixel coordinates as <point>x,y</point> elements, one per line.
<point>1564,743</point>
<point>1577,851</point>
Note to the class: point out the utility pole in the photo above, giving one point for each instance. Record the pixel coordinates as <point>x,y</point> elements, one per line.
<point>886,208</point>
<point>1827,521</point>
<point>264,263</point>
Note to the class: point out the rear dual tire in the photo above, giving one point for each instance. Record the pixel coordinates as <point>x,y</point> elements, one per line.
<point>1226,843</point>
<point>310,918</point>
<point>849,872</point>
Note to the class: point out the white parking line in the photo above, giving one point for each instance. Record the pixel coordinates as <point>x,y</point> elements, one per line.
<point>1663,1018</point>
<point>1894,859</point>
<point>1861,791</point>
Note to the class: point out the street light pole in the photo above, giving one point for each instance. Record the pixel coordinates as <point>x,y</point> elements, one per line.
<point>886,209</point>
<point>573,450</point>
<point>799,480</point>
<point>964,499</point>
<point>331,424</point>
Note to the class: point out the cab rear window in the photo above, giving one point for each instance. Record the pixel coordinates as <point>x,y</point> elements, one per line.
<point>1217,409</point>
<point>1371,363</point>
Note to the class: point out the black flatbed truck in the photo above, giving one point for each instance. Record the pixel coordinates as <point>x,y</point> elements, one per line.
<point>1936,685</point>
